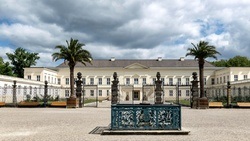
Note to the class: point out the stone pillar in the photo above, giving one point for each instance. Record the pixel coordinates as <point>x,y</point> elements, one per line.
<point>14,94</point>
<point>114,88</point>
<point>79,88</point>
<point>228,94</point>
<point>45,97</point>
<point>195,91</point>
<point>158,89</point>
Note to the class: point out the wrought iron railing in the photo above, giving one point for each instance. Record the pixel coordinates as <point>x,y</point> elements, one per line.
<point>145,117</point>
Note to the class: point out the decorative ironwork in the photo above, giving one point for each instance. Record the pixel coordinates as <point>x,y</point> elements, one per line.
<point>141,117</point>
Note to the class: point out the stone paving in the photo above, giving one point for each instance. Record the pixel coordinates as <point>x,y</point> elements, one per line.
<point>53,124</point>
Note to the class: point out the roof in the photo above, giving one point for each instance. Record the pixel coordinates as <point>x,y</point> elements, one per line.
<point>123,63</point>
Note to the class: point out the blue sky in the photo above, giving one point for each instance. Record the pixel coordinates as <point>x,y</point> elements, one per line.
<point>125,29</point>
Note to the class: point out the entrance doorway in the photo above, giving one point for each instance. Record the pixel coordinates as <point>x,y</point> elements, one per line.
<point>136,95</point>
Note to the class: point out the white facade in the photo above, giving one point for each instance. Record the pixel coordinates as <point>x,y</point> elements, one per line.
<point>136,78</point>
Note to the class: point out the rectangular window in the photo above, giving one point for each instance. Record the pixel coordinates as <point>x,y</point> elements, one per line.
<point>224,79</point>
<point>84,81</point>
<point>163,81</point>
<point>212,81</point>
<point>127,81</point>
<point>217,81</point>
<point>66,93</point>
<point>154,79</point>
<point>29,76</point>
<point>67,81</point>
<point>179,81</point>
<point>100,81</point>
<point>187,81</point>
<point>59,81</point>
<point>91,81</point>
<point>92,92</point>
<point>108,81</point>
<point>49,79</point>
<point>245,77</point>
<point>171,93</point>
<point>170,81</point>
<point>144,81</point>
<point>220,80</point>
<point>55,81</point>
<point>107,92</point>
<point>136,81</point>
<point>228,78</point>
<point>205,81</point>
<point>100,92</point>
<point>235,77</point>
<point>187,92</point>
<point>38,77</point>
<point>179,92</point>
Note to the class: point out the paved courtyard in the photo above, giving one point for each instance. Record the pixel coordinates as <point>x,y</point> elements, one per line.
<point>54,124</point>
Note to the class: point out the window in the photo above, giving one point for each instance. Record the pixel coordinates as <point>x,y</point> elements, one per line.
<point>235,77</point>
<point>245,77</point>
<point>228,78</point>
<point>38,77</point>
<point>220,80</point>
<point>84,93</point>
<point>100,92</point>
<point>170,81</point>
<point>100,81</point>
<point>163,81</point>
<point>67,81</point>
<point>66,93</point>
<point>59,81</point>
<point>55,81</point>
<point>205,81</point>
<point>92,92</point>
<point>171,93</point>
<point>179,92</point>
<point>29,76</point>
<point>179,81</point>
<point>144,81</point>
<point>49,79</point>
<point>217,80</point>
<point>108,81</point>
<point>107,92</point>
<point>187,92</point>
<point>84,81</point>
<point>224,79</point>
<point>91,81</point>
<point>127,81</point>
<point>136,81</point>
<point>212,81</point>
<point>154,79</point>
<point>187,81</point>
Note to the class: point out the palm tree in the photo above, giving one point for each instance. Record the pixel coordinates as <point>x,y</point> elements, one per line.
<point>72,54</point>
<point>201,51</point>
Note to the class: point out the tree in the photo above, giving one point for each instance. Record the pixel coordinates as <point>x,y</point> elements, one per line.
<point>237,61</point>
<point>5,68</point>
<point>201,51</point>
<point>72,54</point>
<point>21,59</point>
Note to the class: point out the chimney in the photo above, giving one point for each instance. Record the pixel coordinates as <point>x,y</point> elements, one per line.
<point>182,59</point>
<point>112,59</point>
<point>159,59</point>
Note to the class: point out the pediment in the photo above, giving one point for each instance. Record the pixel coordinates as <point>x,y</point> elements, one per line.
<point>136,66</point>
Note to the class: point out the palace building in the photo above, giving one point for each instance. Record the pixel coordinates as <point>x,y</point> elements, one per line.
<point>136,77</point>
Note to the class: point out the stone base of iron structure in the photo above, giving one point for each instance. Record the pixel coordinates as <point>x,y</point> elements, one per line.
<point>194,103</point>
<point>72,102</point>
<point>202,103</point>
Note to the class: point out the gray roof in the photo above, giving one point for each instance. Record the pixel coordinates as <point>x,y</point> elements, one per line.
<point>147,63</point>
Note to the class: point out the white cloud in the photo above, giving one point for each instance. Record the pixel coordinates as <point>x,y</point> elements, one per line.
<point>127,29</point>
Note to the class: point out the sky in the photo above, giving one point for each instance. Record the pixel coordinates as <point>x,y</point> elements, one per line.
<point>125,29</point>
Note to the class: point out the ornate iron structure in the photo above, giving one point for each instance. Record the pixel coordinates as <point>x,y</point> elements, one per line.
<point>145,117</point>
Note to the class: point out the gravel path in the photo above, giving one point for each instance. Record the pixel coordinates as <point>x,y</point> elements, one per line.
<point>53,124</point>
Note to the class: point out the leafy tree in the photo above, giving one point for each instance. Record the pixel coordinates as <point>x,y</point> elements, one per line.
<point>5,68</point>
<point>201,51</point>
<point>21,59</point>
<point>237,61</point>
<point>72,54</point>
